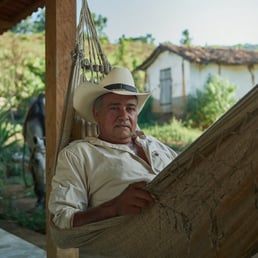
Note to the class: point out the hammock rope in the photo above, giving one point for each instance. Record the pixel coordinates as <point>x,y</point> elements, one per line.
<point>91,67</point>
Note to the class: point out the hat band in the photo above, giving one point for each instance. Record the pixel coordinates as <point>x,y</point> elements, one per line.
<point>118,86</point>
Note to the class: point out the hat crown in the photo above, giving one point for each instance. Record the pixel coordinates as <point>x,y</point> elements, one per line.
<point>118,75</point>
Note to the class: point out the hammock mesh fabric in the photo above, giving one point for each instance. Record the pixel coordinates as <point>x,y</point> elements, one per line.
<point>207,198</point>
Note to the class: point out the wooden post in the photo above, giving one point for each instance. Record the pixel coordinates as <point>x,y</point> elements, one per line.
<point>60,41</point>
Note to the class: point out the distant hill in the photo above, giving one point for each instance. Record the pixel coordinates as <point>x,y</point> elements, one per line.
<point>127,52</point>
<point>247,46</point>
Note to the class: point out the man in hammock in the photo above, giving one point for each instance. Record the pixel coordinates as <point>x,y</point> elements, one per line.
<point>102,177</point>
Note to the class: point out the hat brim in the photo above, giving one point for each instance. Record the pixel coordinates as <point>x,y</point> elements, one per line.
<point>87,93</point>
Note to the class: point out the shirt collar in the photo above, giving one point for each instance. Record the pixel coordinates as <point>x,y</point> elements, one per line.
<point>139,135</point>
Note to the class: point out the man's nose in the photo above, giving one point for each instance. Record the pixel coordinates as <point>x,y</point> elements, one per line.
<point>123,113</point>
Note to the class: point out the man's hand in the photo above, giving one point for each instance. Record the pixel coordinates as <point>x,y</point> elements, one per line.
<point>133,200</point>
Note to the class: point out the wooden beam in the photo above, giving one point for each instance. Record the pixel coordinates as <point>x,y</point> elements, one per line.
<point>3,2</point>
<point>60,41</point>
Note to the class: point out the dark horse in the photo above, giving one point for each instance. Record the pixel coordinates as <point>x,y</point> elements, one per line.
<point>34,133</point>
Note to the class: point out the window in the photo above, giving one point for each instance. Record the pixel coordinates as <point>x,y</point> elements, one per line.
<point>165,86</point>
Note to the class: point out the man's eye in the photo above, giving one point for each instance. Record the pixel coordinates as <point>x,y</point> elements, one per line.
<point>131,109</point>
<point>114,108</point>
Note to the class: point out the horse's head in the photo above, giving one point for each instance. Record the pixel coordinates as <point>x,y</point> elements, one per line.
<point>34,122</point>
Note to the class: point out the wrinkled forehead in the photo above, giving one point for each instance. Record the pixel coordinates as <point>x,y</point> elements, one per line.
<point>117,98</point>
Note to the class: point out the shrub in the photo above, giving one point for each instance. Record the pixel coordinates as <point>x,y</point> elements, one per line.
<point>146,117</point>
<point>22,72</point>
<point>35,221</point>
<point>7,130</point>
<point>7,140</point>
<point>174,134</point>
<point>208,105</point>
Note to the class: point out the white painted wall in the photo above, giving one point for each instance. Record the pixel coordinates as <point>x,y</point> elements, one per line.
<point>195,76</point>
<point>237,75</point>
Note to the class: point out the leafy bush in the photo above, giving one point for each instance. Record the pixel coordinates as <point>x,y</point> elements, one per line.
<point>22,70</point>
<point>7,141</point>
<point>7,130</point>
<point>174,134</point>
<point>146,117</point>
<point>35,221</point>
<point>208,105</point>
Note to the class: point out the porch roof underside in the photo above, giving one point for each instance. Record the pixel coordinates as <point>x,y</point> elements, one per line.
<point>12,12</point>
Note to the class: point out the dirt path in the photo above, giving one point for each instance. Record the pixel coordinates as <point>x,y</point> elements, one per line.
<point>16,198</point>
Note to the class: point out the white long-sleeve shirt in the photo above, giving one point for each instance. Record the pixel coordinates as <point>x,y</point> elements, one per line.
<point>91,171</point>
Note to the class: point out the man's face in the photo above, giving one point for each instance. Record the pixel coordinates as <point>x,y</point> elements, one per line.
<point>117,118</point>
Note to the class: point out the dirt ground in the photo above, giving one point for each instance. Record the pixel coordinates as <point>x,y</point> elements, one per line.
<point>20,200</point>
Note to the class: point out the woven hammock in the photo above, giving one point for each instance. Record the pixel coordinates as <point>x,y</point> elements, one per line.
<point>207,198</point>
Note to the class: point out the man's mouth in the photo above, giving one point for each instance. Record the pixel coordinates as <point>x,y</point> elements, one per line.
<point>123,126</point>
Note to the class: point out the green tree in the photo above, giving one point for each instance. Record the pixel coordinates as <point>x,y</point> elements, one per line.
<point>39,24</point>
<point>147,39</point>
<point>100,23</point>
<point>32,24</point>
<point>121,53</point>
<point>186,39</point>
<point>22,74</point>
<point>208,105</point>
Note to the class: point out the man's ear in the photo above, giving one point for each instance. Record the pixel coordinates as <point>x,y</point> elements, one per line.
<point>95,114</point>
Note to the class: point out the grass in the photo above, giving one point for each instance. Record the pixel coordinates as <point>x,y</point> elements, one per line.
<point>174,134</point>
<point>34,219</point>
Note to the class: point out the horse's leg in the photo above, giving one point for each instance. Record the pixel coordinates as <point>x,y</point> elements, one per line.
<point>38,169</point>
<point>33,127</point>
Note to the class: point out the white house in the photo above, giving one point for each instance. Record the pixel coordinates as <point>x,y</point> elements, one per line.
<point>174,72</point>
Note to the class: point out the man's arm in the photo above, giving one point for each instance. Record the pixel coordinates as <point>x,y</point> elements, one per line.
<point>130,202</point>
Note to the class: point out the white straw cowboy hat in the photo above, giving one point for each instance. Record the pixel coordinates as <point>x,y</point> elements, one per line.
<point>118,81</point>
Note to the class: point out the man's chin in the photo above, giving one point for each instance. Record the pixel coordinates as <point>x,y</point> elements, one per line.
<point>124,133</point>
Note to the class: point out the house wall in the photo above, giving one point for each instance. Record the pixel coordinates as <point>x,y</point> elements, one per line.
<point>188,77</point>
<point>180,70</point>
<point>241,76</point>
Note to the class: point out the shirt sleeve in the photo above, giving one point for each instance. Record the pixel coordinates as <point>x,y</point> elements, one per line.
<point>69,189</point>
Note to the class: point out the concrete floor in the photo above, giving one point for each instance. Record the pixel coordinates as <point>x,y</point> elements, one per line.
<point>12,246</point>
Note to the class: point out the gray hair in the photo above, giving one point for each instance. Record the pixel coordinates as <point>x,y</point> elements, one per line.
<point>97,104</point>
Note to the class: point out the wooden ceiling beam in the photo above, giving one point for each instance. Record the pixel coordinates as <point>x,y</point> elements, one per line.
<point>3,2</point>
<point>5,25</point>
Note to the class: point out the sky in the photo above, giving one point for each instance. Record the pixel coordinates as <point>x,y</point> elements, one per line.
<point>209,22</point>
